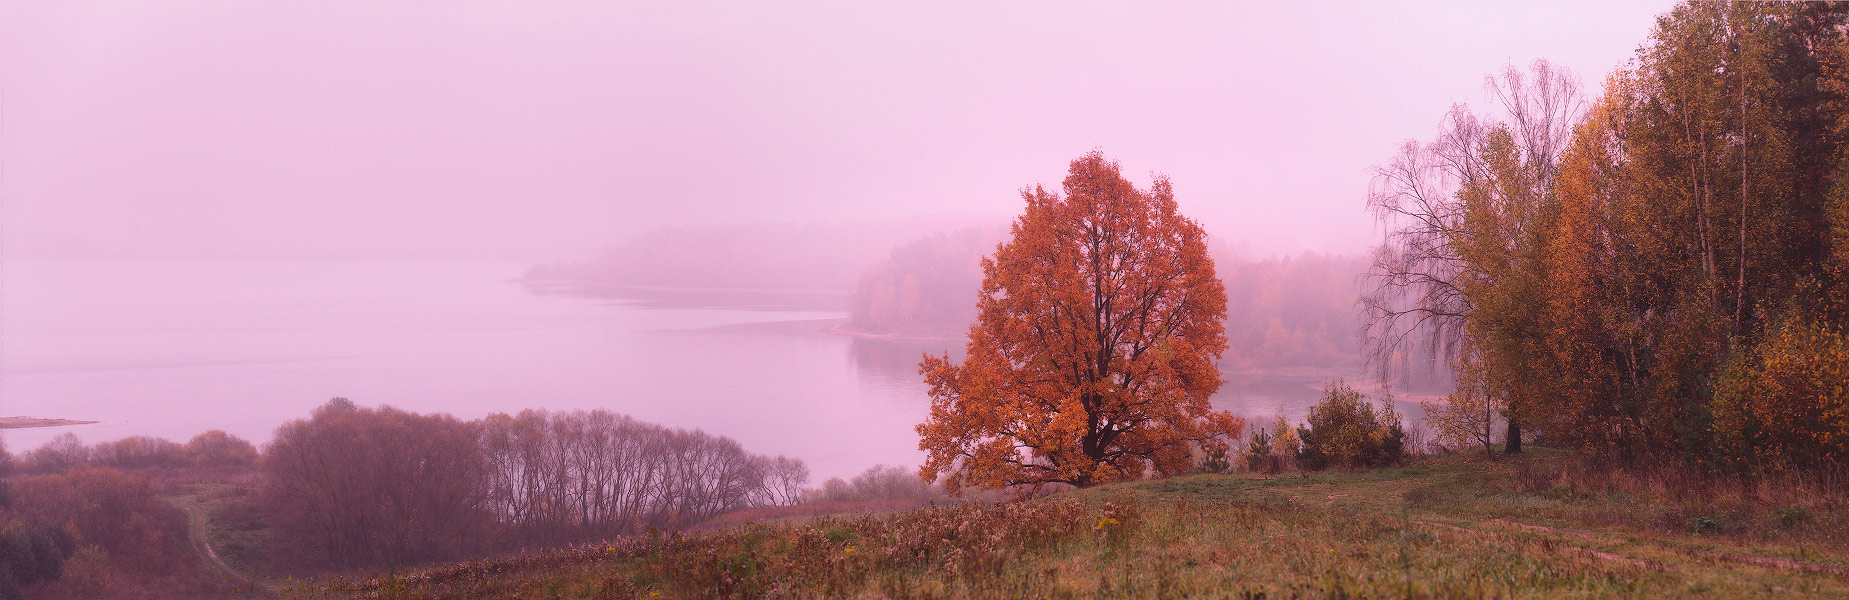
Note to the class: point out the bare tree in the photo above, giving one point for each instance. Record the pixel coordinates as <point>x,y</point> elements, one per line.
<point>57,455</point>
<point>784,481</point>
<point>373,486</point>
<point>1415,296</point>
<point>378,486</point>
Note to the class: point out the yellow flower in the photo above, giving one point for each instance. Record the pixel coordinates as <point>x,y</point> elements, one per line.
<point>850,549</point>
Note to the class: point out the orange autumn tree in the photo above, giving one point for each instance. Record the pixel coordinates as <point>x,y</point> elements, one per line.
<point>1093,355</point>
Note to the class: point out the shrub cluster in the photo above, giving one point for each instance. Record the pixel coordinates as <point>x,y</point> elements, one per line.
<point>1268,452</point>
<point>1344,429</point>
<point>1787,399</point>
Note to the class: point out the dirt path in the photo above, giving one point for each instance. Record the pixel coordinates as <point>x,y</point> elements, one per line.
<point>1598,554</point>
<point>202,544</point>
<point>1784,564</point>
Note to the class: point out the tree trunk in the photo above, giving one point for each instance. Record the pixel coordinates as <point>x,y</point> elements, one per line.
<point>1514,443</point>
<point>1739,294</point>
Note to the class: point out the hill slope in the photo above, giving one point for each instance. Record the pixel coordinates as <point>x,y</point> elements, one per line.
<point>1533,527</point>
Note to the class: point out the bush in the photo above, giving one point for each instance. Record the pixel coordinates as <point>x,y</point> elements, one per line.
<point>1310,453</point>
<point>1257,455</point>
<point>1212,459</point>
<point>1286,445</point>
<point>1267,452</point>
<point>1784,400</point>
<point>1344,429</point>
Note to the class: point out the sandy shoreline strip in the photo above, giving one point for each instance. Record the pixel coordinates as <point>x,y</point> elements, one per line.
<point>25,422</point>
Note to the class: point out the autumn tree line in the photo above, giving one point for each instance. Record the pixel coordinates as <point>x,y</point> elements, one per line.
<point>380,486</point>
<point>1290,311</point>
<point>87,521</point>
<point>1660,272</point>
<point>354,487</point>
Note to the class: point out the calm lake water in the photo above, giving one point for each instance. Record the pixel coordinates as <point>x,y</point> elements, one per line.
<point>173,348</point>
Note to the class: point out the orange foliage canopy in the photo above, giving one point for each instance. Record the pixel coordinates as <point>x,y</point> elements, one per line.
<point>1092,358</point>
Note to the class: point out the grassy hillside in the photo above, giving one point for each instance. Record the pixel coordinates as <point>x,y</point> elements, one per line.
<point>1532,527</point>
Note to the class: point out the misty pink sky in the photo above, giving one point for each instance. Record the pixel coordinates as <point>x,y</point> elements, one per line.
<point>526,130</point>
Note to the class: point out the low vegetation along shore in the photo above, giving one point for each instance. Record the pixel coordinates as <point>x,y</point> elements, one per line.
<point>1540,525</point>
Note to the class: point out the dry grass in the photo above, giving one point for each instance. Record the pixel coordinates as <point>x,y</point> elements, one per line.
<point>1541,526</point>
<point>808,510</point>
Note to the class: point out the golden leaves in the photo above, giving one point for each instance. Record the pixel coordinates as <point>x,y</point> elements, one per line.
<point>1093,355</point>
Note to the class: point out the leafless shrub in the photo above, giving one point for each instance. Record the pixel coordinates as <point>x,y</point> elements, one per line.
<point>879,482</point>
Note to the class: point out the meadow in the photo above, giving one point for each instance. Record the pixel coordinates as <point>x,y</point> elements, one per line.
<point>1538,525</point>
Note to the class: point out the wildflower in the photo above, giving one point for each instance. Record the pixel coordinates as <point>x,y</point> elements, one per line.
<point>850,549</point>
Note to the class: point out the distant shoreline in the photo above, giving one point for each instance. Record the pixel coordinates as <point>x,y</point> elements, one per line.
<point>844,329</point>
<point>615,289</point>
<point>29,422</point>
<point>791,326</point>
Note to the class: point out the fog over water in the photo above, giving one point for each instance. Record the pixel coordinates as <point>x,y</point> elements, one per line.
<point>222,214</point>
<point>173,348</point>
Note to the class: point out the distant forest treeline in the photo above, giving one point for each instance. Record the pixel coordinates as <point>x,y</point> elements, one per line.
<point>919,279</point>
<point>1296,311</point>
<point>925,288</point>
<point>1293,311</point>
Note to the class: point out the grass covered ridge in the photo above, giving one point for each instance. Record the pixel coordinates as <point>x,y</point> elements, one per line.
<point>1531,527</point>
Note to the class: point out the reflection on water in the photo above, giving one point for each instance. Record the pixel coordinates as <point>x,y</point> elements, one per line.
<point>1259,396</point>
<point>173,348</point>
<point>1262,396</point>
<point>893,362</point>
